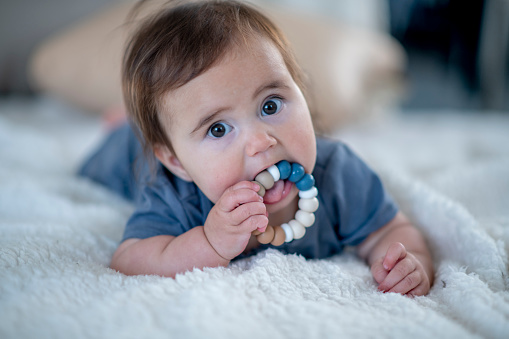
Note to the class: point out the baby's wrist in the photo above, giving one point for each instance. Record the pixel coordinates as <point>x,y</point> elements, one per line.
<point>222,257</point>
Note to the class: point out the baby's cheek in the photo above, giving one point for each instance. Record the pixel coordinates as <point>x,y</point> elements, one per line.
<point>307,150</point>
<point>217,187</point>
<point>213,193</point>
<point>304,143</point>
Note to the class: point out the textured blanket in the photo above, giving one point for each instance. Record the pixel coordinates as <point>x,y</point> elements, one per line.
<point>449,172</point>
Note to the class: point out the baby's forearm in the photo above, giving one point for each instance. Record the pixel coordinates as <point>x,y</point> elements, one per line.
<point>166,255</point>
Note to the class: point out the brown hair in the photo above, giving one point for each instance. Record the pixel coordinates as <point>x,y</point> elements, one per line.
<point>179,43</point>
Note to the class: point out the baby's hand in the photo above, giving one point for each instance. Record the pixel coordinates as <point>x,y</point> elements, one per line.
<point>239,211</point>
<point>400,272</point>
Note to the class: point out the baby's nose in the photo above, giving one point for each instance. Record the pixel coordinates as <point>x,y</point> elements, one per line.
<point>259,142</point>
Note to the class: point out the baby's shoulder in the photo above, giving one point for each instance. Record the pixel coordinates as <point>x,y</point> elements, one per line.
<point>166,185</point>
<point>338,164</point>
<point>330,150</point>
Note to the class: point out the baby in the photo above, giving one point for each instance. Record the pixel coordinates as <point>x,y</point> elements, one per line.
<point>214,92</point>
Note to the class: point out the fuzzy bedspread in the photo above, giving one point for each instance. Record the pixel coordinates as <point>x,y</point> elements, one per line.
<point>448,171</point>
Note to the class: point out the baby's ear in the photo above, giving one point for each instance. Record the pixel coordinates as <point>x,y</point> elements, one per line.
<point>170,161</point>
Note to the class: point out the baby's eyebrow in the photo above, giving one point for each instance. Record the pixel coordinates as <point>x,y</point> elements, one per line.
<point>207,119</point>
<point>271,85</point>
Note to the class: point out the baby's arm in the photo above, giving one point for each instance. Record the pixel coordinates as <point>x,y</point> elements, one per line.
<point>399,258</point>
<point>224,236</point>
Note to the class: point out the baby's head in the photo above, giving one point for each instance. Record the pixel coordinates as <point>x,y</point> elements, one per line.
<point>216,93</point>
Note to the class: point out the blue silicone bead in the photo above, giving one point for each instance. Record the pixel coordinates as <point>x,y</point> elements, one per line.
<point>297,172</point>
<point>285,169</point>
<point>306,182</point>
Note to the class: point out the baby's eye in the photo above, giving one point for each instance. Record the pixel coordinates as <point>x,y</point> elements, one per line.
<point>272,106</point>
<point>219,130</point>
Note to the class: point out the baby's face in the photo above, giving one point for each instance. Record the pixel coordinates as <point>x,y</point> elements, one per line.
<point>237,119</point>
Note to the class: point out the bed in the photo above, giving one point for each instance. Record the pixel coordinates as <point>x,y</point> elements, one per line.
<point>449,171</point>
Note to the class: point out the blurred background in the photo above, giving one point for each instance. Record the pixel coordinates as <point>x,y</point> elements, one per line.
<point>456,50</point>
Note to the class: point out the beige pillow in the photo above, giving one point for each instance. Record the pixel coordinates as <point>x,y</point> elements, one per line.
<point>348,68</point>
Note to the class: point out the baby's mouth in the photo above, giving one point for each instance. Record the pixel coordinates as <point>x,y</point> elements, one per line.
<point>277,192</point>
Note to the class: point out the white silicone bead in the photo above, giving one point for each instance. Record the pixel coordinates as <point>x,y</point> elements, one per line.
<point>274,171</point>
<point>298,229</point>
<point>305,218</point>
<point>310,193</point>
<point>309,205</point>
<point>288,232</point>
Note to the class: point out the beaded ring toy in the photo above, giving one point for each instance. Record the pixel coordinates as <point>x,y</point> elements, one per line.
<point>308,203</point>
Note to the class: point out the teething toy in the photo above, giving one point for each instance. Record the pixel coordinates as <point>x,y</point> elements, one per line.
<point>308,203</point>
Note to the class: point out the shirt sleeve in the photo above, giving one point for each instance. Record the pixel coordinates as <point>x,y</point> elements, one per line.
<point>166,206</point>
<point>357,202</point>
<point>152,217</point>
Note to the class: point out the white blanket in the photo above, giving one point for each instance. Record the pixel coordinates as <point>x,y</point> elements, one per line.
<point>449,172</point>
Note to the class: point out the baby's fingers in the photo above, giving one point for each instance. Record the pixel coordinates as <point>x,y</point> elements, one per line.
<point>259,222</point>
<point>378,271</point>
<point>398,274</point>
<point>240,214</point>
<point>395,252</point>
<point>409,283</point>
<point>421,289</point>
<point>241,193</point>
